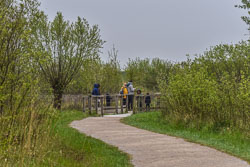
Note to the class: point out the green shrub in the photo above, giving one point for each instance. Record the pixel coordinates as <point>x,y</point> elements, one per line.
<point>212,90</point>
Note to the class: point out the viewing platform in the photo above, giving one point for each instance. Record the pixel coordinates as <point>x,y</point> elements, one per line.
<point>111,104</point>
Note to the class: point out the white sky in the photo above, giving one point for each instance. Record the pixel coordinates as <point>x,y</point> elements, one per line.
<point>168,29</point>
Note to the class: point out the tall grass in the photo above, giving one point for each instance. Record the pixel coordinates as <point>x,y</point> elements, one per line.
<point>24,118</point>
<point>25,136</point>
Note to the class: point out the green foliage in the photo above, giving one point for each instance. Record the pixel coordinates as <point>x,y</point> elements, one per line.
<point>16,67</point>
<point>108,75</point>
<point>89,74</point>
<point>212,90</point>
<point>245,5</point>
<point>63,47</point>
<point>111,74</point>
<point>144,73</point>
<point>23,123</point>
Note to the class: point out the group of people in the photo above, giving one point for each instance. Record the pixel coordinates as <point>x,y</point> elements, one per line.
<point>128,91</point>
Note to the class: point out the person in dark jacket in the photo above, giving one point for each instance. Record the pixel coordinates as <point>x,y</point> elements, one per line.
<point>96,90</point>
<point>99,91</point>
<point>147,102</point>
<point>131,90</point>
<point>108,99</point>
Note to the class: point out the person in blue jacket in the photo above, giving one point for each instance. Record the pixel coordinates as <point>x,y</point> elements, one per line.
<point>96,89</point>
<point>96,92</point>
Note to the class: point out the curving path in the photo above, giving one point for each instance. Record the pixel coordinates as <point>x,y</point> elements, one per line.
<point>149,149</point>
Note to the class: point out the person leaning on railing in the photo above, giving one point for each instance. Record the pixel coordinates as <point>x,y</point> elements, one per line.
<point>96,92</point>
<point>124,91</point>
<point>131,90</point>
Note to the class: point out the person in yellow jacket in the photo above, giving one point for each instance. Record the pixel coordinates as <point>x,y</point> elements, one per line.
<point>124,91</point>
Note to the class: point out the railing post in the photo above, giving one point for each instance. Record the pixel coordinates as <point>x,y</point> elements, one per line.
<point>74,99</point>
<point>79,102</point>
<point>90,104</point>
<point>83,104</point>
<point>102,98</point>
<point>116,104</point>
<point>96,104</point>
<point>137,99</point>
<point>126,103</point>
<point>143,103</point>
<point>133,106</point>
<point>121,101</point>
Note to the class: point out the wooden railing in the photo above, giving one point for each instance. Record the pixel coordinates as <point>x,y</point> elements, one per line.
<point>107,104</point>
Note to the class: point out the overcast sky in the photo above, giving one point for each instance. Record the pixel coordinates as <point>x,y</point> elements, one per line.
<point>168,29</point>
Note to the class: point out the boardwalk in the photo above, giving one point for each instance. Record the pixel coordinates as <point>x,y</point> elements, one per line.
<point>110,104</point>
<point>150,149</point>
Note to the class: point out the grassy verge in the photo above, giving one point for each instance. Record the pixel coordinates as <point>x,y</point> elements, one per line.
<point>74,149</point>
<point>233,143</point>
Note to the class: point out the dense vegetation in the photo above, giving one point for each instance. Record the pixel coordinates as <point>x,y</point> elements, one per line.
<point>145,73</point>
<point>23,120</point>
<point>212,90</point>
<point>39,61</point>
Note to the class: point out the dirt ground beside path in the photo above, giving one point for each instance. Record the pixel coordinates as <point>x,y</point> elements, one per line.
<point>149,149</point>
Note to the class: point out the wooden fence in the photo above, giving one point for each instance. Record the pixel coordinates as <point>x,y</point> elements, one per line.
<point>110,104</point>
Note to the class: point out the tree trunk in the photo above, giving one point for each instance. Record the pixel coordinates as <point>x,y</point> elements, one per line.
<point>57,99</point>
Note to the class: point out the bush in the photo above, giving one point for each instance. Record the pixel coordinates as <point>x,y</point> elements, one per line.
<point>212,90</point>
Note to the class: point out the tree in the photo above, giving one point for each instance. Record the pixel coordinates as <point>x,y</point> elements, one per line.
<point>111,80</point>
<point>64,47</point>
<point>132,71</point>
<point>107,74</point>
<point>89,74</point>
<point>245,5</point>
<point>19,74</point>
<point>16,65</point>
<point>145,72</point>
